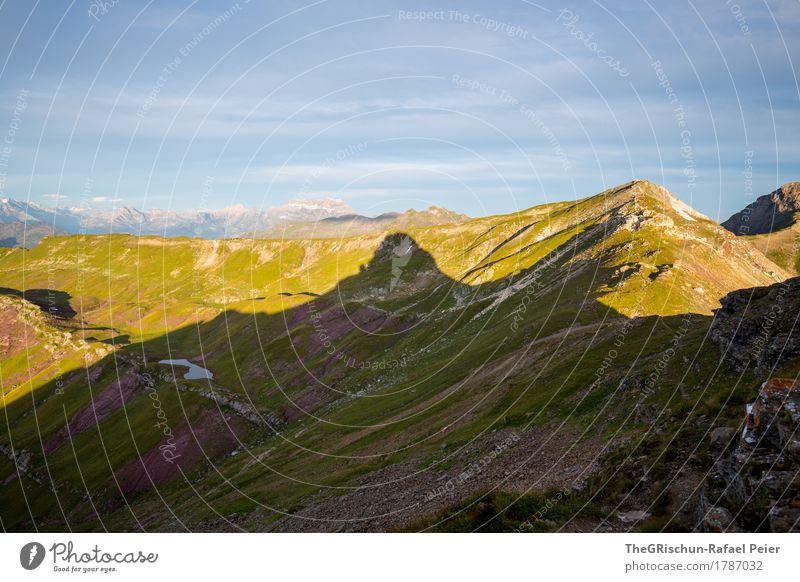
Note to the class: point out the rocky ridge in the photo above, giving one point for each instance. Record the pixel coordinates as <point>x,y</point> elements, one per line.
<point>769,213</point>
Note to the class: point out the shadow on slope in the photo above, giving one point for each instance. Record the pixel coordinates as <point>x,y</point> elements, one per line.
<point>399,361</point>
<point>50,301</point>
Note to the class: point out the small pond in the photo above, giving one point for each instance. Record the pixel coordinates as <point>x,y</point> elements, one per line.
<point>195,372</point>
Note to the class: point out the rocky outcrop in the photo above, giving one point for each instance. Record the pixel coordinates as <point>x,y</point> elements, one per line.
<point>21,460</point>
<point>220,396</point>
<point>755,483</point>
<point>768,213</point>
<point>759,326</point>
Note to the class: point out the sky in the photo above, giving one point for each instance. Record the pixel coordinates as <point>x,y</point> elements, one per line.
<point>480,107</point>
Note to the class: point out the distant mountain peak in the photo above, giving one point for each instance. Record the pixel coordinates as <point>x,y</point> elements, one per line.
<point>769,213</point>
<point>310,209</point>
<point>233,208</point>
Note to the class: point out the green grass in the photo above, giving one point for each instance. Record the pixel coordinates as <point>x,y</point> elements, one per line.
<point>468,370</point>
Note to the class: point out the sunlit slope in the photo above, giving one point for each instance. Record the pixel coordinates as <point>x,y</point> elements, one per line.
<point>37,347</point>
<point>781,246</point>
<point>772,224</point>
<point>644,247</point>
<point>656,241</point>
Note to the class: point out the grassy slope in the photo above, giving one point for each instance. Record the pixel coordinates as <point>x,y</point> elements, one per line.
<point>781,246</point>
<point>585,267</point>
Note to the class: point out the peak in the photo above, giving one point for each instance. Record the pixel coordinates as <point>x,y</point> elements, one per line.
<point>789,191</point>
<point>234,209</point>
<point>647,184</point>
<point>652,189</point>
<point>769,213</point>
<point>316,201</point>
<point>636,189</point>
<point>652,196</point>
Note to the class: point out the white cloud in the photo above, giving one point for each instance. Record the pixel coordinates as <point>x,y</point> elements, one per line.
<point>54,196</point>
<point>105,199</point>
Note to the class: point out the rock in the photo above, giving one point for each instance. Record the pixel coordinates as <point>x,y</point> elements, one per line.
<point>721,437</point>
<point>776,417</point>
<point>718,519</point>
<point>784,519</point>
<point>755,327</point>
<point>633,516</point>
<point>757,484</point>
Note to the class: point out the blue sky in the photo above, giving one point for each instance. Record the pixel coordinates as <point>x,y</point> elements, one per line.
<point>482,107</point>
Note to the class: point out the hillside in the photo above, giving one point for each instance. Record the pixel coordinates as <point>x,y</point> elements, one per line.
<point>756,327</point>
<point>771,225</point>
<point>39,341</point>
<point>781,246</point>
<point>370,382</point>
<point>19,234</point>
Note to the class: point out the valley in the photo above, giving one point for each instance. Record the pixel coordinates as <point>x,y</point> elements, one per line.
<point>563,368</point>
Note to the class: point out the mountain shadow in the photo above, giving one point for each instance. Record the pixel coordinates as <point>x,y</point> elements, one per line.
<point>348,406</point>
<point>50,301</point>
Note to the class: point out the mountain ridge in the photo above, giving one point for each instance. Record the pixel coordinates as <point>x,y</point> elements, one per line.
<point>348,225</point>
<point>772,225</point>
<point>769,213</point>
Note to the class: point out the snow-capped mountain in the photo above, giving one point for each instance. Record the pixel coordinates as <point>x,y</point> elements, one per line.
<point>61,219</point>
<point>231,221</point>
<point>310,209</point>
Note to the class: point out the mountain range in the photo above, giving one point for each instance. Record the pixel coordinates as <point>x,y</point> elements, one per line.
<point>355,224</point>
<point>576,366</point>
<point>26,223</point>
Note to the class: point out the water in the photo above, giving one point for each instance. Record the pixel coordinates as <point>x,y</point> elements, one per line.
<point>195,372</point>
